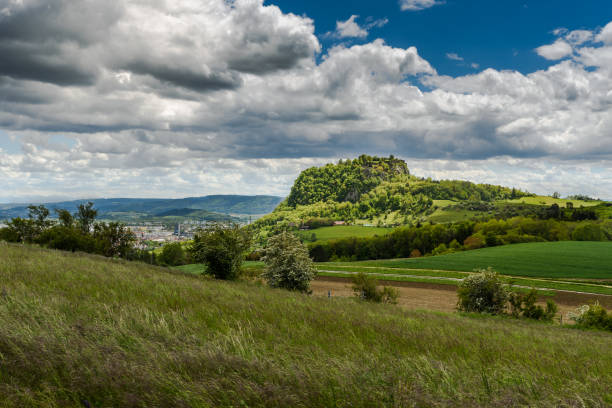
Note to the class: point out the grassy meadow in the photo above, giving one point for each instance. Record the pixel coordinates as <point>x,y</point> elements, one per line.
<point>342,231</point>
<point>563,259</point>
<point>81,330</point>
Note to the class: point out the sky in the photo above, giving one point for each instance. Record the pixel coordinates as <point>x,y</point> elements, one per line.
<point>135,98</point>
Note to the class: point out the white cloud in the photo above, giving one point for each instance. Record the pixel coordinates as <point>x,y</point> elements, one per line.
<point>218,98</point>
<point>555,51</point>
<point>578,37</point>
<point>605,35</point>
<point>349,28</point>
<point>453,56</point>
<point>414,5</point>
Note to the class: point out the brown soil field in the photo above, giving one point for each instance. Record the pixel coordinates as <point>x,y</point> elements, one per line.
<point>434,296</point>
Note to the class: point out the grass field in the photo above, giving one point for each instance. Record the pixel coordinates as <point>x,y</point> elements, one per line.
<point>80,330</point>
<point>548,201</point>
<point>343,231</point>
<point>565,259</point>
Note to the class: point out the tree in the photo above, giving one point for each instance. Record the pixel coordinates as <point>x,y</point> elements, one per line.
<point>288,265</point>
<point>65,218</point>
<point>222,249</point>
<point>483,293</point>
<point>172,255</point>
<point>113,239</point>
<point>86,216</point>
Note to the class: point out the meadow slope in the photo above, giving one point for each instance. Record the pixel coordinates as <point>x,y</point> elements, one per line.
<point>78,329</point>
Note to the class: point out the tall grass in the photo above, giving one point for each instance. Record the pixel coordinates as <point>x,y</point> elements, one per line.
<point>77,329</point>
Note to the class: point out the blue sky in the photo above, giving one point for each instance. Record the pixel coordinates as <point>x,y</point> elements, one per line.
<point>499,34</point>
<point>197,97</point>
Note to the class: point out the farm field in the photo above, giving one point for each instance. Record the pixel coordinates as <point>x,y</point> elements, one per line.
<point>548,201</point>
<point>564,259</point>
<point>149,336</point>
<point>343,231</point>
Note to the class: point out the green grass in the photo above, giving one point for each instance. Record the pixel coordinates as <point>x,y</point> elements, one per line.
<point>343,231</point>
<point>117,334</point>
<point>548,201</point>
<point>198,269</point>
<point>565,259</point>
<point>436,276</point>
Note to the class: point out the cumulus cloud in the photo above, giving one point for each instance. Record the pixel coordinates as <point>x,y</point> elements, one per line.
<point>555,51</point>
<point>414,5</point>
<point>605,35</point>
<point>210,96</point>
<point>350,28</point>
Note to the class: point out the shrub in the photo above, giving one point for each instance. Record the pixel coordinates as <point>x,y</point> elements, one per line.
<point>288,265</point>
<point>483,292</point>
<point>524,304</point>
<point>365,287</point>
<point>592,317</point>
<point>222,249</point>
<point>415,253</point>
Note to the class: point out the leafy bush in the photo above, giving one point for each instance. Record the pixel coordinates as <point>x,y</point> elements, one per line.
<point>288,265</point>
<point>592,317</point>
<point>483,292</point>
<point>222,249</point>
<point>365,287</point>
<point>524,304</point>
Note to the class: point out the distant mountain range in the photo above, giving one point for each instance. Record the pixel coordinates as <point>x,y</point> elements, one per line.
<point>142,208</point>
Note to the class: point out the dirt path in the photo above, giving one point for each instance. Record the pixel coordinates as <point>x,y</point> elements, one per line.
<point>433,296</point>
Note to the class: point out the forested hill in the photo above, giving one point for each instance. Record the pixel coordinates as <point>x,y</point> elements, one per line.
<point>374,190</point>
<point>131,207</point>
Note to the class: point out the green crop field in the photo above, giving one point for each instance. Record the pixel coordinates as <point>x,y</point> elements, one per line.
<point>79,330</point>
<point>342,231</point>
<point>548,201</point>
<point>565,259</point>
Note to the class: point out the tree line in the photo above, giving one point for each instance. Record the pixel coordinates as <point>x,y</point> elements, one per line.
<point>436,239</point>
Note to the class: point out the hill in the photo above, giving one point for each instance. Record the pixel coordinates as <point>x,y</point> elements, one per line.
<point>137,208</point>
<point>85,331</point>
<point>381,192</point>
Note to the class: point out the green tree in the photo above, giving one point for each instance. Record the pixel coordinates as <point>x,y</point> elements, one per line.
<point>65,218</point>
<point>222,248</point>
<point>86,216</point>
<point>172,255</point>
<point>113,239</point>
<point>288,265</point>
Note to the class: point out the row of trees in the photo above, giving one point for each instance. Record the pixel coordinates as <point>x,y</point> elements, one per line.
<point>71,232</point>
<point>443,238</point>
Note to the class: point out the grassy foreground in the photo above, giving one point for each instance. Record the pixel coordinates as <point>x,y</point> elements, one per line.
<point>563,259</point>
<point>76,328</point>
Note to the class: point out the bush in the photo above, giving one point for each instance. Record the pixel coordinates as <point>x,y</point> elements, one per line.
<point>222,249</point>
<point>524,304</point>
<point>366,288</point>
<point>288,265</point>
<point>592,317</point>
<point>483,293</point>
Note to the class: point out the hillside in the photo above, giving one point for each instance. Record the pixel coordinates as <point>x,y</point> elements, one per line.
<point>85,331</point>
<point>137,208</point>
<point>374,191</point>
